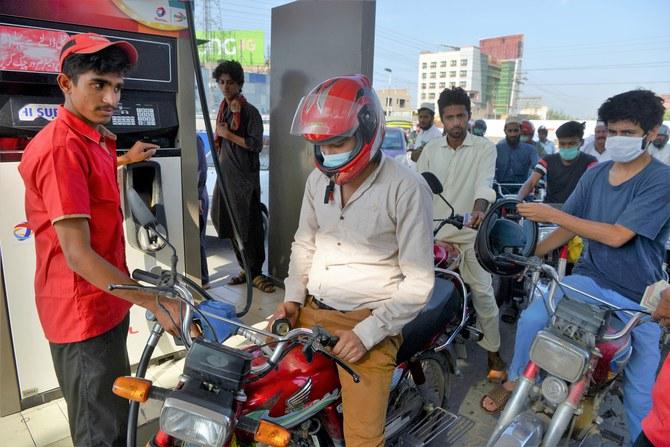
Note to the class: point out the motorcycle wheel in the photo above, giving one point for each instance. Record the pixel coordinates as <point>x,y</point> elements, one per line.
<point>437,387</point>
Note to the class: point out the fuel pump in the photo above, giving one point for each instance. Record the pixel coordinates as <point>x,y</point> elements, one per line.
<point>151,105</point>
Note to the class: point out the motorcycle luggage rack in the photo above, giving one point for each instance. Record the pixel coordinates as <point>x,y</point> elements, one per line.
<point>438,423</point>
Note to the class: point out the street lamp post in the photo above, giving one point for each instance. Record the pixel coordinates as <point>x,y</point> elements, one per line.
<point>389,99</point>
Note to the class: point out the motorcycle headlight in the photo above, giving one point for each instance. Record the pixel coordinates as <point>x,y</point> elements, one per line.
<point>559,356</point>
<point>193,423</point>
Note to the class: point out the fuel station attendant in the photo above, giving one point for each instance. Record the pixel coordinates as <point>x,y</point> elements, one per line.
<point>72,204</point>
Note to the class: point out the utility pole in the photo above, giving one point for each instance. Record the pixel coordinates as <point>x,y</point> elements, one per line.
<point>389,99</point>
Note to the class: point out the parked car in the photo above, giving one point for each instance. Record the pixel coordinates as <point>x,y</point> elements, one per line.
<point>395,142</point>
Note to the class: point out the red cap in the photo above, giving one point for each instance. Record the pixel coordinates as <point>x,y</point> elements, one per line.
<point>88,43</point>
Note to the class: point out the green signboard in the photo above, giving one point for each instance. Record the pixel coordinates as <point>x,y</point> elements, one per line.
<point>246,47</point>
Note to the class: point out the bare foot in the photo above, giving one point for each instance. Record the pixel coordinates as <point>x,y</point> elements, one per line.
<point>489,405</point>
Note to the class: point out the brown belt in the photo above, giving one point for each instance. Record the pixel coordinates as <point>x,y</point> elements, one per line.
<point>318,303</point>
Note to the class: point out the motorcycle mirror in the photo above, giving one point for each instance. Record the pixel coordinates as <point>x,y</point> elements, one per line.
<point>140,210</point>
<point>436,186</point>
<point>433,182</point>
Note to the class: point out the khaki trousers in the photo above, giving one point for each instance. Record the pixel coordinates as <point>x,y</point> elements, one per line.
<point>364,403</point>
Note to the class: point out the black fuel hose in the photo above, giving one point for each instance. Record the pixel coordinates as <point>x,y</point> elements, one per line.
<point>210,135</point>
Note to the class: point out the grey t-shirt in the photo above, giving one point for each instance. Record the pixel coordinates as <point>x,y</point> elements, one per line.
<point>641,204</point>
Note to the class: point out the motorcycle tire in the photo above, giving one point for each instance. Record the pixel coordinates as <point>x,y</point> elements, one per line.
<point>437,388</point>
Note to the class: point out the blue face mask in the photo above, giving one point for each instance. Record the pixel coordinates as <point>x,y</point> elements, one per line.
<point>335,160</point>
<point>569,153</point>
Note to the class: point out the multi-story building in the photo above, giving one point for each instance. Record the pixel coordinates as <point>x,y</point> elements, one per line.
<point>490,73</point>
<point>396,103</point>
<point>504,55</point>
<point>460,67</point>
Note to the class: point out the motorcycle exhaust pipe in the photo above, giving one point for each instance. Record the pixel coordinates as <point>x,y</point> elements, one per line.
<point>563,414</point>
<point>517,401</point>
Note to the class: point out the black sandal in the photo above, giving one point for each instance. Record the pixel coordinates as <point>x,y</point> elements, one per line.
<point>237,280</point>
<point>264,284</point>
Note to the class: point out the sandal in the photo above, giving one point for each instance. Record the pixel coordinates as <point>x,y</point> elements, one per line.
<point>496,365</point>
<point>499,396</point>
<point>264,284</point>
<point>237,280</point>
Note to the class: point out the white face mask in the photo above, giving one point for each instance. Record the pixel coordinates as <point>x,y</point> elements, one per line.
<point>624,149</point>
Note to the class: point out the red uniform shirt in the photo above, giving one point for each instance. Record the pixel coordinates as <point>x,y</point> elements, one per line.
<point>656,425</point>
<point>69,170</point>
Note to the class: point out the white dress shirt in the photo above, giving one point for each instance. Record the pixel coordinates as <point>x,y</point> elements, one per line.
<point>376,252</point>
<point>427,135</point>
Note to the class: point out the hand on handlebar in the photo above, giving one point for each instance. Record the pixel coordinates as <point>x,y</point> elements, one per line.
<point>168,319</point>
<point>349,348</point>
<point>476,218</point>
<point>537,212</point>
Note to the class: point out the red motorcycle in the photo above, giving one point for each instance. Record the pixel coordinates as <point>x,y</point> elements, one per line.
<point>284,389</point>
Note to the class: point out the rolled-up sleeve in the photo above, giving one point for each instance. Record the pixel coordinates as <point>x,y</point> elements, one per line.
<point>485,172</point>
<point>414,235</point>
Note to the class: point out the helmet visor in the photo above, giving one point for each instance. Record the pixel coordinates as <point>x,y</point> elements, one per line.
<point>321,118</point>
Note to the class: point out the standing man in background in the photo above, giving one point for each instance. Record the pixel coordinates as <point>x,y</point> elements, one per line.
<point>527,135</point>
<point>428,129</point>
<point>659,148</point>
<point>515,159</point>
<point>547,145</point>
<point>596,146</point>
<point>238,141</point>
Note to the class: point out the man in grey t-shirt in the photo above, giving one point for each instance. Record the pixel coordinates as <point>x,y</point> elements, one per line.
<point>622,207</point>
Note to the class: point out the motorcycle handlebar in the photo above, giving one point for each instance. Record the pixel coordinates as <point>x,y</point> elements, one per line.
<point>551,303</point>
<point>144,276</point>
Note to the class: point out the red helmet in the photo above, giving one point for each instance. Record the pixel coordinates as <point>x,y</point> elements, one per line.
<point>527,128</point>
<point>338,108</point>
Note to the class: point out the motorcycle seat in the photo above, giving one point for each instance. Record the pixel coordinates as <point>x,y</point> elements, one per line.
<point>443,306</point>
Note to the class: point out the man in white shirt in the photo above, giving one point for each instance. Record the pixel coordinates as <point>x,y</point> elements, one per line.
<point>596,145</point>
<point>428,130</point>
<point>362,260</point>
<point>659,148</point>
<point>465,164</point>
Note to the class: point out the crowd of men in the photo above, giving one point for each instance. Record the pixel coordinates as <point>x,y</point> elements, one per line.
<point>361,262</point>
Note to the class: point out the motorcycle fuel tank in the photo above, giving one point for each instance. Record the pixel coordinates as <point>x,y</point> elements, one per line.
<point>292,384</point>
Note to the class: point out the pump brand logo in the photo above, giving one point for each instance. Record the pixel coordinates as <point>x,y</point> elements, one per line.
<point>160,11</point>
<point>22,231</point>
<point>30,112</point>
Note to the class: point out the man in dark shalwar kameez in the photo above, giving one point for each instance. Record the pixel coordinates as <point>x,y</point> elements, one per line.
<point>238,142</point>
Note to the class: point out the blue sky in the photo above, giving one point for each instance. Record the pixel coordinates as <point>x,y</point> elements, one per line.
<point>577,52</point>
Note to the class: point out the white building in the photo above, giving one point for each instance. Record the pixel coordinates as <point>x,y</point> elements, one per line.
<point>446,69</point>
